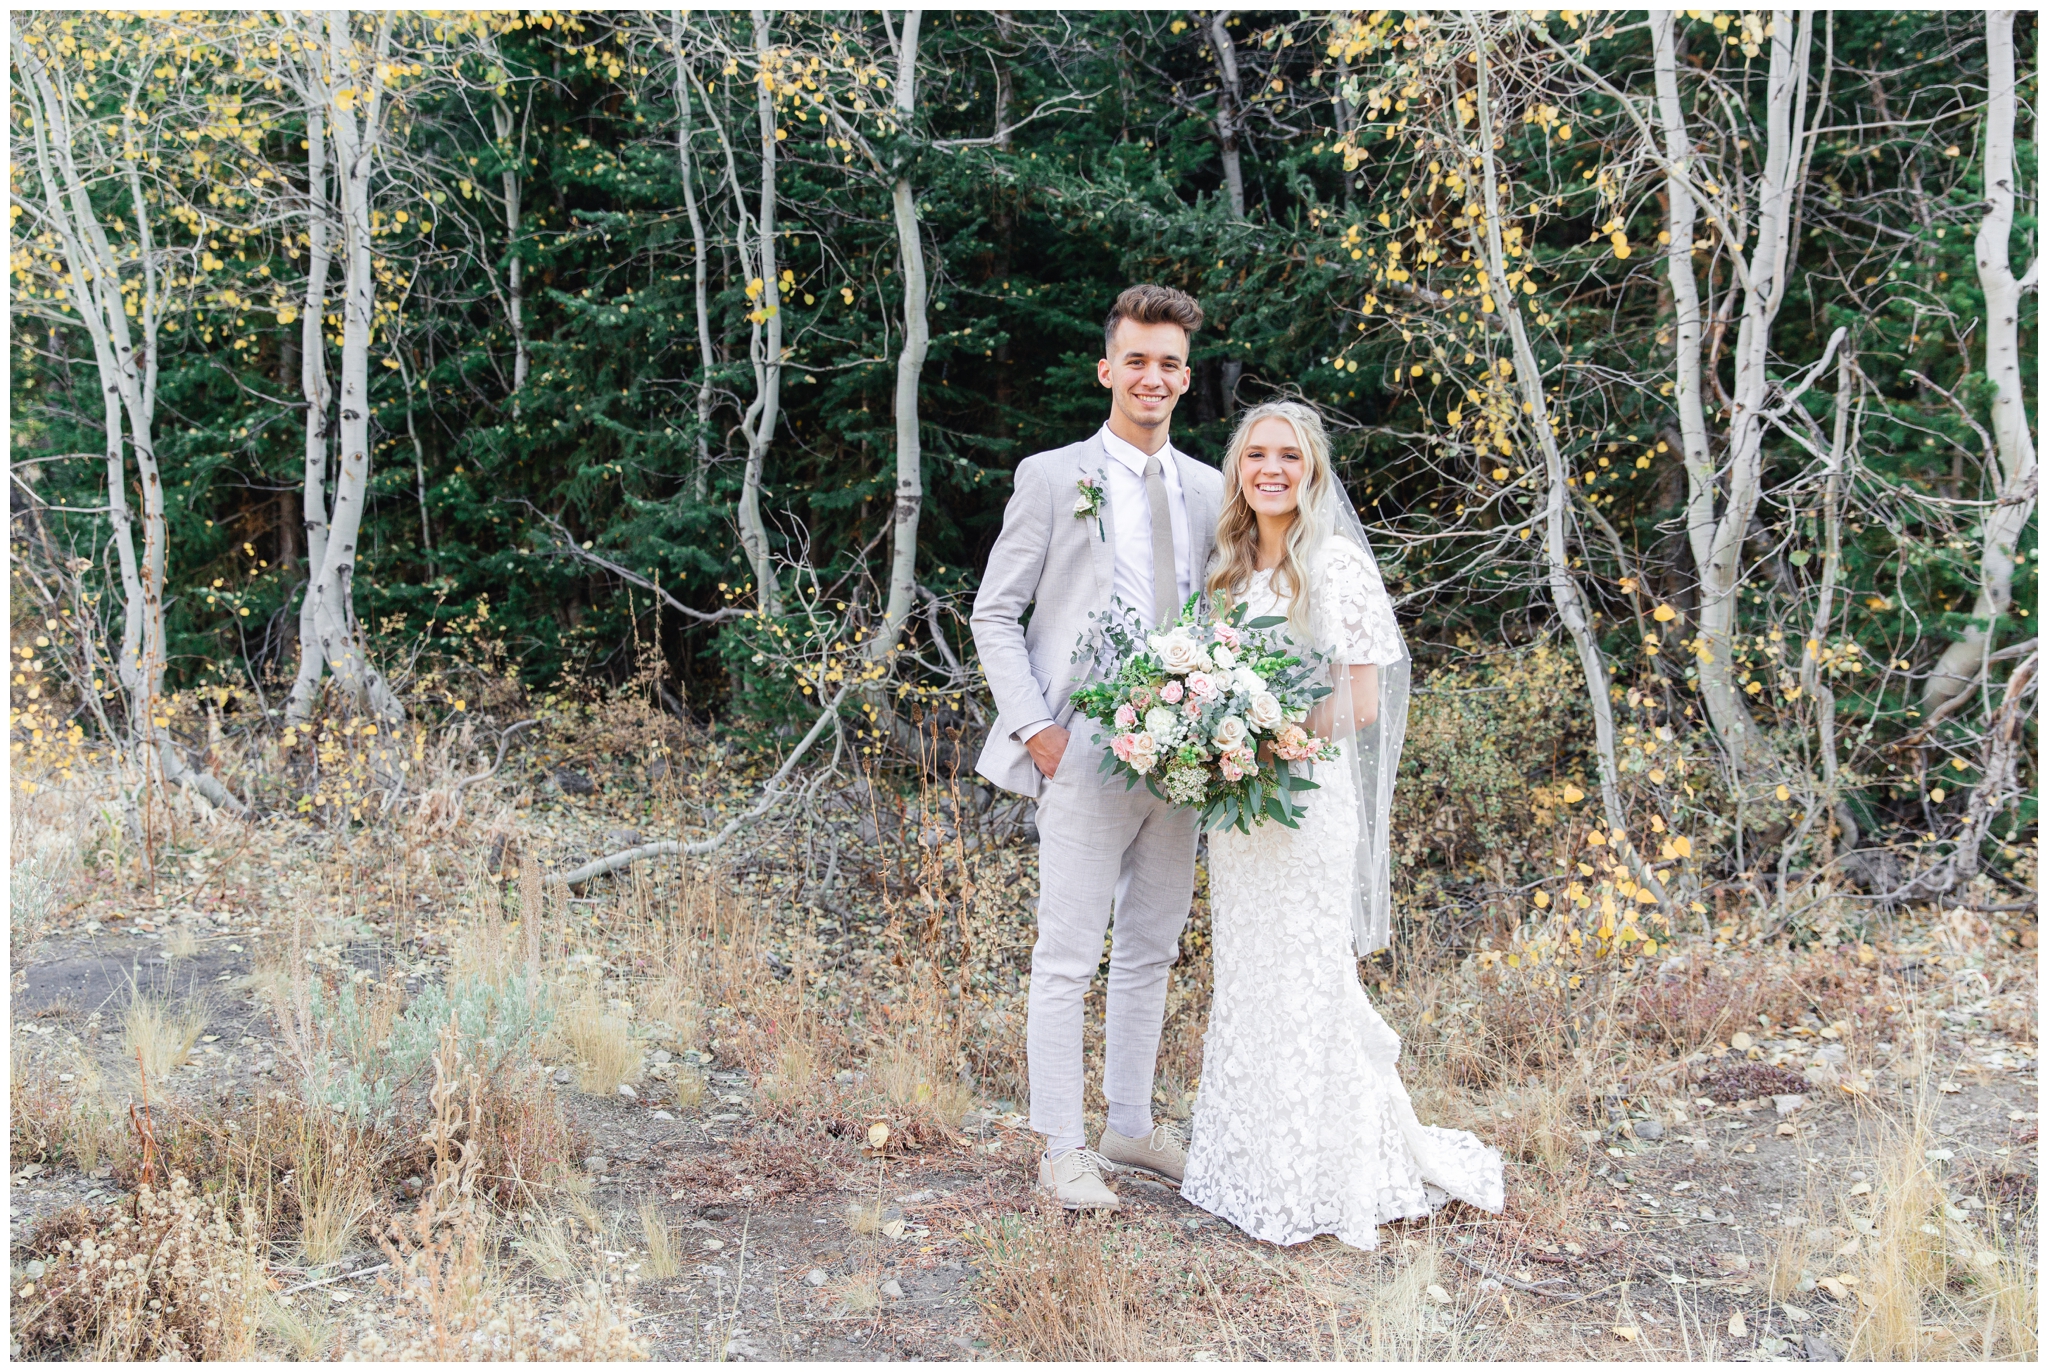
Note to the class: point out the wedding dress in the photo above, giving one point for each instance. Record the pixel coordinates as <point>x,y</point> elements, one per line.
<point>1302,1126</point>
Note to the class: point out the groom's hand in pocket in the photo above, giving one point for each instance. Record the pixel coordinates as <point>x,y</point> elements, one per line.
<point>1047,747</point>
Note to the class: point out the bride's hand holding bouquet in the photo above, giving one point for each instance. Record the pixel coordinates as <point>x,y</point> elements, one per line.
<point>1209,713</point>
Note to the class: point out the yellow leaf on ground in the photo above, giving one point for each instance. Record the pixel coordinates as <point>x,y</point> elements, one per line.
<point>1626,1331</point>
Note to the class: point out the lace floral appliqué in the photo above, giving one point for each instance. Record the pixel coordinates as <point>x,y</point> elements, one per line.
<point>1302,1126</point>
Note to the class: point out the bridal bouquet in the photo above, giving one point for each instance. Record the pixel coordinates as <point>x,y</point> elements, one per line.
<point>1189,707</point>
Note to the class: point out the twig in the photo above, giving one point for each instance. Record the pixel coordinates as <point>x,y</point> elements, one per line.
<point>504,741</point>
<point>669,847</point>
<point>1533,1288</point>
<point>567,547</point>
<point>339,1276</point>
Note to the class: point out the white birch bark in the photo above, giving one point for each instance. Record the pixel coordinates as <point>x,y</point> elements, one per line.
<point>313,385</point>
<point>1229,107</point>
<point>1717,524</point>
<point>1961,662</point>
<point>127,375</point>
<point>909,366</point>
<point>701,480</point>
<point>1811,678</point>
<point>515,269</point>
<point>765,344</point>
<point>355,120</point>
<point>1564,588</point>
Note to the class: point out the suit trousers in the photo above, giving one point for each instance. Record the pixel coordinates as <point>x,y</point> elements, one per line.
<point>1102,847</point>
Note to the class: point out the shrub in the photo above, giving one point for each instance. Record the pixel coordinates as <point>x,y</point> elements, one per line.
<point>172,1282</point>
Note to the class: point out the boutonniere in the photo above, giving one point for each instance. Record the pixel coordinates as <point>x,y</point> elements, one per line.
<point>1089,506</point>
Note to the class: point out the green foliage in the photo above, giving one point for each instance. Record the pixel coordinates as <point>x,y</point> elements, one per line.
<point>1115,177</point>
<point>366,1079</point>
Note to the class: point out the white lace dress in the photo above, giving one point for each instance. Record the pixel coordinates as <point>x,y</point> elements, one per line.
<point>1302,1126</point>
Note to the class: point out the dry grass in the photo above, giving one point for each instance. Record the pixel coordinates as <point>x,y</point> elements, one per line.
<point>689,1087</point>
<point>672,1007</point>
<point>335,1182</point>
<point>919,991</point>
<point>1054,1290</point>
<point>160,1034</point>
<point>864,1218</point>
<point>1934,1283</point>
<point>547,1245</point>
<point>298,1325</point>
<point>606,1056</point>
<point>793,1076</point>
<point>663,1261</point>
<point>1406,1322</point>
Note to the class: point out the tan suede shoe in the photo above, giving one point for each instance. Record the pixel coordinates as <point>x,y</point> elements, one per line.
<point>1164,1154</point>
<point>1074,1179</point>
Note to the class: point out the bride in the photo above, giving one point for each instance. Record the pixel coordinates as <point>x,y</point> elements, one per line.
<point>1302,1126</point>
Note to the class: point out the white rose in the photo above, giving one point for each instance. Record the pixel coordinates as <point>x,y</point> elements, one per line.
<point>1230,732</point>
<point>1265,712</point>
<point>1247,680</point>
<point>1081,507</point>
<point>1161,724</point>
<point>1144,753</point>
<point>1179,652</point>
<point>1223,657</point>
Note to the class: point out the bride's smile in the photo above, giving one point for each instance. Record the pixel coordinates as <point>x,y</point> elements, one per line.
<point>1271,470</point>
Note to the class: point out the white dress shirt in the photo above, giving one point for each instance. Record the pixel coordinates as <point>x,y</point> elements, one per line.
<point>1131,518</point>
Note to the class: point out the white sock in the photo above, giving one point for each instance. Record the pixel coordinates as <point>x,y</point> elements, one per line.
<point>1132,1121</point>
<point>1062,1144</point>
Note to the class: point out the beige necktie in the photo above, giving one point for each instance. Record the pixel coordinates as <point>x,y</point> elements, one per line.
<point>1165,576</point>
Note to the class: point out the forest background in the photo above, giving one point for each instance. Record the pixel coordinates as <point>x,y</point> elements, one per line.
<point>391,367</point>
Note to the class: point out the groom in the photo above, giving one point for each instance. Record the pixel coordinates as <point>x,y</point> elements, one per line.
<point>1117,517</point>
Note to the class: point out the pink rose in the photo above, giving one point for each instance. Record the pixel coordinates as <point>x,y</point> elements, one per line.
<point>1193,708</point>
<point>1170,693</point>
<point>1122,744</point>
<point>1126,716</point>
<point>1226,635</point>
<point>1232,770</point>
<point>1296,744</point>
<point>1202,684</point>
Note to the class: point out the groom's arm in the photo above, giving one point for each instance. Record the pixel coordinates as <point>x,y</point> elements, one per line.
<point>1007,589</point>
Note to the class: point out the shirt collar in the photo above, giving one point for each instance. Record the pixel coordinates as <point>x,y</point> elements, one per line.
<point>1133,457</point>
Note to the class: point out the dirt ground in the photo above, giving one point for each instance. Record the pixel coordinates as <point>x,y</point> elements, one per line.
<point>1715,1205</point>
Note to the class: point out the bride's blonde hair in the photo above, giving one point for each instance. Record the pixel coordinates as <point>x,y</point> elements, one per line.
<point>1237,530</point>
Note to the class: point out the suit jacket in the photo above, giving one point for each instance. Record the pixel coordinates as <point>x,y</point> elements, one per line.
<point>1062,568</point>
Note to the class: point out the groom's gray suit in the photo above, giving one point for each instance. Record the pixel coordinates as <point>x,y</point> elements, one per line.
<point>1099,844</point>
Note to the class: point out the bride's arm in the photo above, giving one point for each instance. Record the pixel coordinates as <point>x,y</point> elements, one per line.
<point>1330,719</point>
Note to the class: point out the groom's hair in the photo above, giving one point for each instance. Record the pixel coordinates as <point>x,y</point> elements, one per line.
<point>1150,304</point>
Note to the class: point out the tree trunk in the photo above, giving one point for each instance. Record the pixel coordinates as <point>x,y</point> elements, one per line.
<point>355,149</point>
<point>1229,107</point>
<point>1811,677</point>
<point>766,345</point>
<point>701,479</point>
<point>313,385</point>
<point>1717,539</point>
<point>128,383</point>
<point>909,368</point>
<point>1005,82</point>
<point>515,268</point>
<point>1564,588</point>
<point>1964,659</point>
